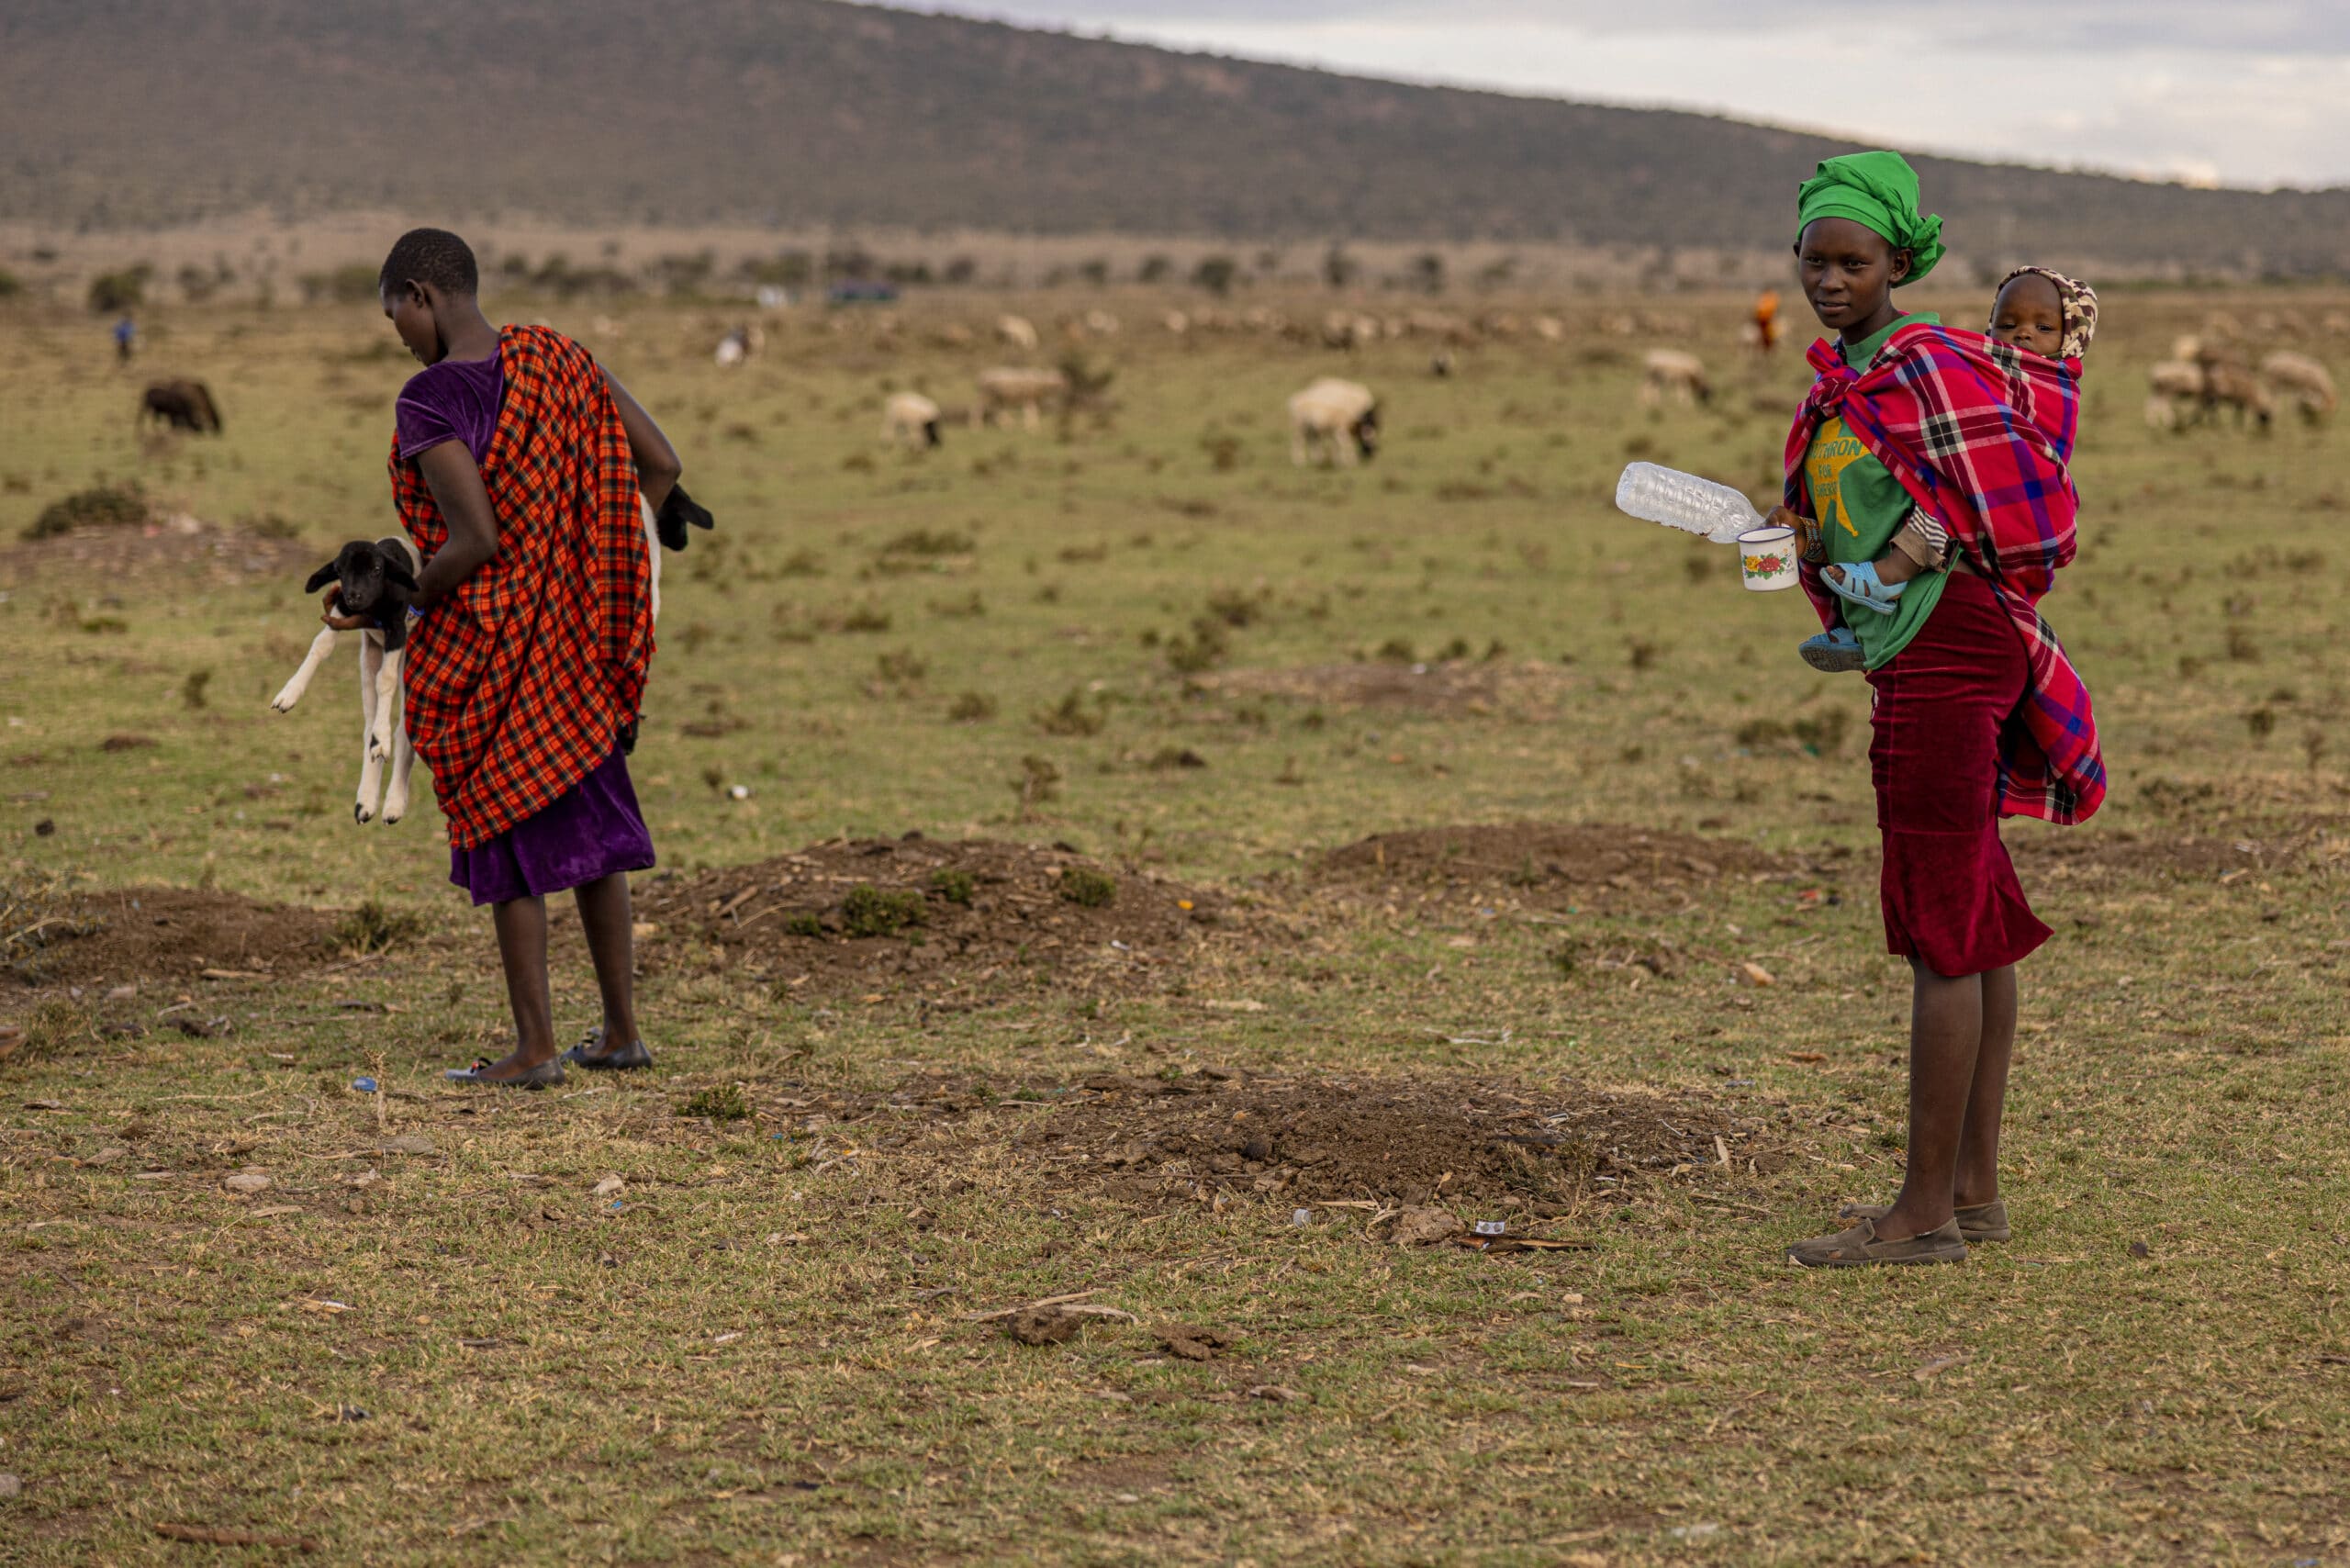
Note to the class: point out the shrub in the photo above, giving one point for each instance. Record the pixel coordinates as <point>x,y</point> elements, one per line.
<point>1215,273</point>
<point>372,928</point>
<point>1070,717</point>
<point>970,707</point>
<point>11,284</point>
<point>953,885</point>
<point>723,1103</point>
<point>803,925</point>
<point>120,290</point>
<point>1087,887</point>
<point>929,541</point>
<point>103,506</point>
<point>869,911</point>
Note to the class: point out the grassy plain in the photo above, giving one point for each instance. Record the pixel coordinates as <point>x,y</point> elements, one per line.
<point>760,1352</point>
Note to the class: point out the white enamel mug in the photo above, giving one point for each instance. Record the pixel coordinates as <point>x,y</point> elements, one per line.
<point>1767,557</point>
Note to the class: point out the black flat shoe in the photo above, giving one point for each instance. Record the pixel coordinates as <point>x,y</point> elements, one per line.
<point>546,1075</point>
<point>622,1059</point>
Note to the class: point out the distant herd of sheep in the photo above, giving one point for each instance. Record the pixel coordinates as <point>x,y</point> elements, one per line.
<point>1337,421</point>
<point>2210,372</point>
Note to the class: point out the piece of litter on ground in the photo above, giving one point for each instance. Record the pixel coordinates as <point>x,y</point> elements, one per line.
<point>247,1182</point>
<point>408,1143</point>
<point>608,1187</point>
<point>726,1339</point>
<point>1755,974</point>
<point>319,1303</point>
<point>1280,1394</point>
<point>363,1085</point>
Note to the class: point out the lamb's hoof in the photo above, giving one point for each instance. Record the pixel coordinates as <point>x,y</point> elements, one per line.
<point>393,813</point>
<point>282,703</point>
<point>361,814</point>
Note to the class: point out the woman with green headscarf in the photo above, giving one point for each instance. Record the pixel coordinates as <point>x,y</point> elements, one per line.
<point>1927,475</point>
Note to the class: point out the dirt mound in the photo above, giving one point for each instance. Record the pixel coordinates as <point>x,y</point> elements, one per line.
<point>1451,686</point>
<point>938,919</point>
<point>2222,851</point>
<point>177,544</point>
<point>1305,1140</point>
<point>162,936</point>
<point>1591,861</point>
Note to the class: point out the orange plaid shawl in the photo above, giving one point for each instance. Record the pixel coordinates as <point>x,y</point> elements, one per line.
<point>519,682</point>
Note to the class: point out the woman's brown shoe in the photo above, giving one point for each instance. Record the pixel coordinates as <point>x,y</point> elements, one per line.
<point>1860,1249</point>
<point>1983,1222</point>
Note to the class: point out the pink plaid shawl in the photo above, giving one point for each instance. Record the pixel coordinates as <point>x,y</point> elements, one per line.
<point>1980,433</point>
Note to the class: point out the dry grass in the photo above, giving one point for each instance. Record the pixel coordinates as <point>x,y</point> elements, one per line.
<point>763,1344</point>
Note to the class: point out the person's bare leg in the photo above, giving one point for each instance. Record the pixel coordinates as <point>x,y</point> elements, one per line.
<point>522,949</point>
<point>1946,1018</point>
<point>1977,1181</point>
<point>609,919</point>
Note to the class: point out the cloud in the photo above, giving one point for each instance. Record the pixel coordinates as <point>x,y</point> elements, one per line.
<point>2254,92</point>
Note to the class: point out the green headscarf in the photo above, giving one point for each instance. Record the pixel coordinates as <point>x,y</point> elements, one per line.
<point>1879,192</point>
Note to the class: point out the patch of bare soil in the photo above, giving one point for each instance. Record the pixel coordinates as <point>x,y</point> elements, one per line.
<point>947,922</point>
<point>2206,852</point>
<point>1450,686</point>
<point>1592,862</point>
<point>1386,1140</point>
<point>180,545</point>
<point>151,934</point>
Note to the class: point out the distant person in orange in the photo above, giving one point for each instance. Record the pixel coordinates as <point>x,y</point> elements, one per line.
<point>1764,334</point>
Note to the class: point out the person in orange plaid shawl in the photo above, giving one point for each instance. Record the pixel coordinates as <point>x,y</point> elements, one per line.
<point>516,468</point>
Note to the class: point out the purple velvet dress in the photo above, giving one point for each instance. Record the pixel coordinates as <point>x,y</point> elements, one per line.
<point>594,829</point>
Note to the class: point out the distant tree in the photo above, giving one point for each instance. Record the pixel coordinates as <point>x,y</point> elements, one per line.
<point>1096,270</point>
<point>1155,269</point>
<point>11,284</point>
<point>1215,273</point>
<point>120,290</point>
<point>1428,272</point>
<point>1339,269</point>
<point>351,284</point>
<point>961,270</point>
<point>1494,274</point>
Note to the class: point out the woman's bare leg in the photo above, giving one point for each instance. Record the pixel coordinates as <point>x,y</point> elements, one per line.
<point>1946,1026</point>
<point>1977,1181</point>
<point>522,948</point>
<point>609,919</point>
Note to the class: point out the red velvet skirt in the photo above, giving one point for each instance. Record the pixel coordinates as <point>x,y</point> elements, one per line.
<point>1952,900</point>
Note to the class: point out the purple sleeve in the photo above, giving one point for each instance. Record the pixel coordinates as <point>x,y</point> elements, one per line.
<point>422,421</point>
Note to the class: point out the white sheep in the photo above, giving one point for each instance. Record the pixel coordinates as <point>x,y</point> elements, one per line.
<point>2302,382</point>
<point>909,418</point>
<point>1016,332</point>
<point>1337,419</point>
<point>1672,372</point>
<point>1006,387</point>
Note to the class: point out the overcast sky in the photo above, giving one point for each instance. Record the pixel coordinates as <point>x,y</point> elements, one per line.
<point>2244,92</point>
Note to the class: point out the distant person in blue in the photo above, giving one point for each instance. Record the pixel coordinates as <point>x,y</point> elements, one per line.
<point>126,338</point>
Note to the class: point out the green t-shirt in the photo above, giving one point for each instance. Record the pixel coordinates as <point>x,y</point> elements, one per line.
<point>1861,506</point>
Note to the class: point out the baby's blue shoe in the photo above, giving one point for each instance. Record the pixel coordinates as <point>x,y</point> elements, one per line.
<point>1834,651</point>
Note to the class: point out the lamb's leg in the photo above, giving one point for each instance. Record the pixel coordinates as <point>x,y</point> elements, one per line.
<point>403,761</point>
<point>652,556</point>
<point>1345,453</point>
<point>384,716</point>
<point>1297,445</point>
<point>1032,416</point>
<point>320,646</point>
<point>371,767</point>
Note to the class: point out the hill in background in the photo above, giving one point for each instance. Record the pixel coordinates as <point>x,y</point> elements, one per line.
<point>140,113</point>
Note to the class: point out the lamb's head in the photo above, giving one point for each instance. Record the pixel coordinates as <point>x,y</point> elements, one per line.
<point>369,575</point>
<point>930,433</point>
<point>1366,433</point>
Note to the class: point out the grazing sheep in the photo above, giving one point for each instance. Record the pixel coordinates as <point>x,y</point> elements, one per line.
<point>1672,372</point>
<point>1016,332</point>
<point>2302,382</point>
<point>739,344</point>
<point>1007,388</point>
<point>1176,323</point>
<point>1101,324</point>
<point>910,419</point>
<point>2164,413</point>
<point>1348,330</point>
<point>2240,388</point>
<point>1550,328</point>
<point>1441,364</point>
<point>1337,419</point>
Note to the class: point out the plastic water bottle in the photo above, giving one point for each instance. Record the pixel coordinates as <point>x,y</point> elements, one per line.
<point>1684,501</point>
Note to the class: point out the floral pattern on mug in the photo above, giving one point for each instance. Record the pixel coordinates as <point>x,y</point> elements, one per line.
<point>1765,565</point>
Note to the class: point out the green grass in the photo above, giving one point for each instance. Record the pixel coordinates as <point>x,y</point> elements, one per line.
<point>758,1347</point>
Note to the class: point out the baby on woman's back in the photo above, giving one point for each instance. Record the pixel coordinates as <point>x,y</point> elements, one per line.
<point>2041,312</point>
